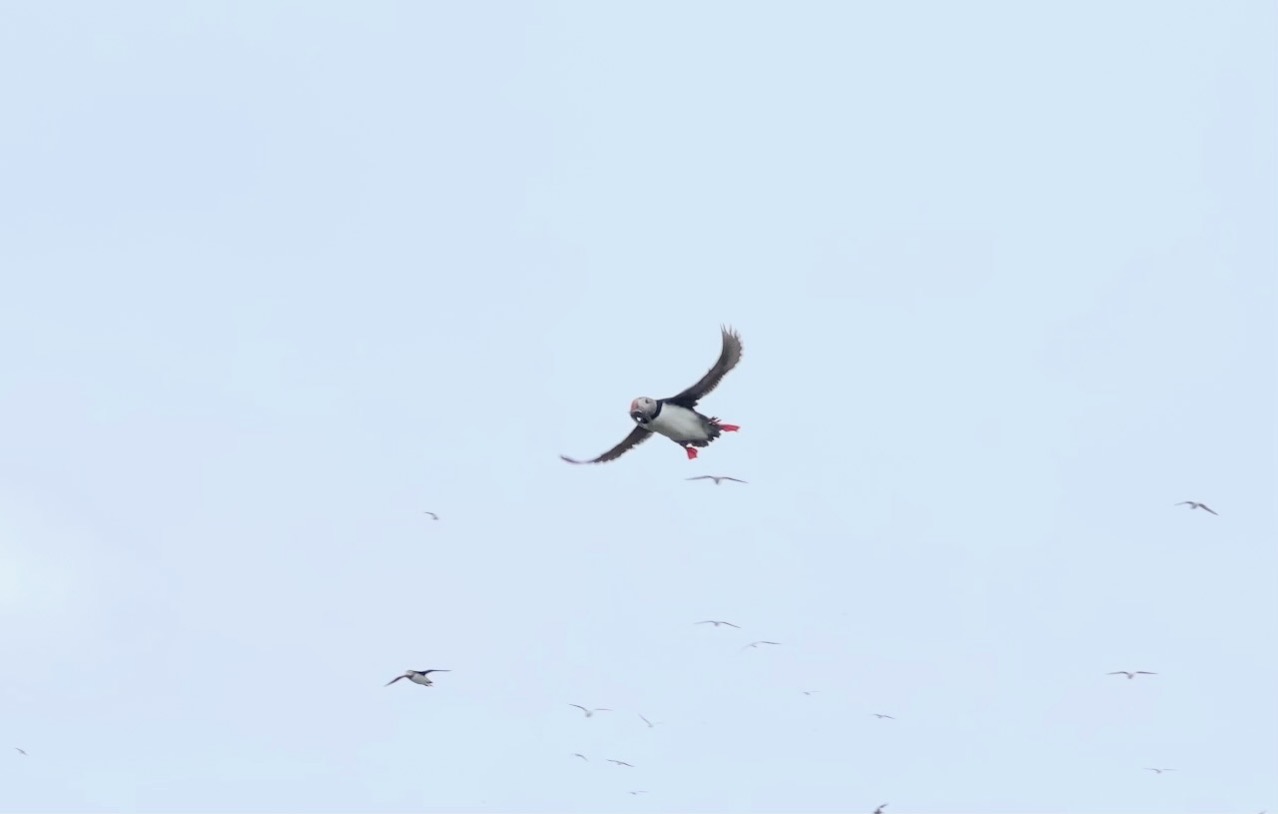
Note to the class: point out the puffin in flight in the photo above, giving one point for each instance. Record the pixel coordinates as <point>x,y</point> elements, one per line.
<point>676,417</point>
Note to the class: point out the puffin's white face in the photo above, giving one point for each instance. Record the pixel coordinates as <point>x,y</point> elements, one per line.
<point>642,408</point>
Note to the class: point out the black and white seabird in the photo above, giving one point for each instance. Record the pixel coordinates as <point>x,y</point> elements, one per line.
<point>1131,673</point>
<point>590,713</point>
<point>1193,504</point>
<point>417,677</point>
<point>433,516</point>
<point>879,810</point>
<point>676,417</point>
<point>621,763</point>
<point>881,716</point>
<point>716,478</point>
<point>756,644</point>
<point>580,755</point>
<point>1159,771</point>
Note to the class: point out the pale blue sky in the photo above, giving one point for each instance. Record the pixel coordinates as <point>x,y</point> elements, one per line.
<point>277,277</point>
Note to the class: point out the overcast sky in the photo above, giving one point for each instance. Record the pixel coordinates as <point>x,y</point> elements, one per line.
<point>276,278</point>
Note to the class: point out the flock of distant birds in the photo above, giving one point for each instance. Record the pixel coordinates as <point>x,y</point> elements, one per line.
<point>422,677</point>
<point>676,419</point>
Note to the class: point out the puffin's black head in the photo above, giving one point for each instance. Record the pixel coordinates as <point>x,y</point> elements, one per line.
<point>642,409</point>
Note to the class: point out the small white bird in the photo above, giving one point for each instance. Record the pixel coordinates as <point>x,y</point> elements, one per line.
<point>620,763</point>
<point>1131,673</point>
<point>417,677</point>
<point>590,712</point>
<point>717,622</point>
<point>756,644</point>
<point>881,715</point>
<point>649,723</point>
<point>1159,771</point>
<point>433,515</point>
<point>1196,505</point>
<point>716,478</point>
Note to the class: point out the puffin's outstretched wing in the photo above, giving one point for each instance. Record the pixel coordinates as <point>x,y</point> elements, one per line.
<point>636,437</point>
<point>728,359</point>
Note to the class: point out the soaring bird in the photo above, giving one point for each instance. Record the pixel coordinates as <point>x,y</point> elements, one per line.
<point>22,751</point>
<point>580,755</point>
<point>756,644</point>
<point>1131,673</point>
<point>644,792</point>
<point>417,677</point>
<point>621,763</point>
<point>646,721</point>
<point>590,712</point>
<point>810,692</point>
<point>1159,771</point>
<point>433,516</point>
<point>716,478</point>
<point>881,716</point>
<point>676,417</point>
<point>879,810</point>
<point>717,622</point>
<point>1195,505</point>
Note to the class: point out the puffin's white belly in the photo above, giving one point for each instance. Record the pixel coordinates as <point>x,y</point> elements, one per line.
<point>679,424</point>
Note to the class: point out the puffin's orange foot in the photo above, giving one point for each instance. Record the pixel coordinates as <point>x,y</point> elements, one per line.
<point>692,452</point>
<point>729,427</point>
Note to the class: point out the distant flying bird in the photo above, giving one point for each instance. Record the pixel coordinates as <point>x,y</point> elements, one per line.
<point>1131,673</point>
<point>433,515</point>
<point>756,644</point>
<point>620,762</point>
<point>810,692</point>
<point>590,712</point>
<point>649,723</point>
<point>716,478</point>
<point>644,792</point>
<point>1159,771</point>
<point>580,755</point>
<point>879,810</point>
<point>417,677</point>
<point>881,715</point>
<point>1195,505</point>
<point>21,751</point>
<point>717,622</point>
<point>675,417</point>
